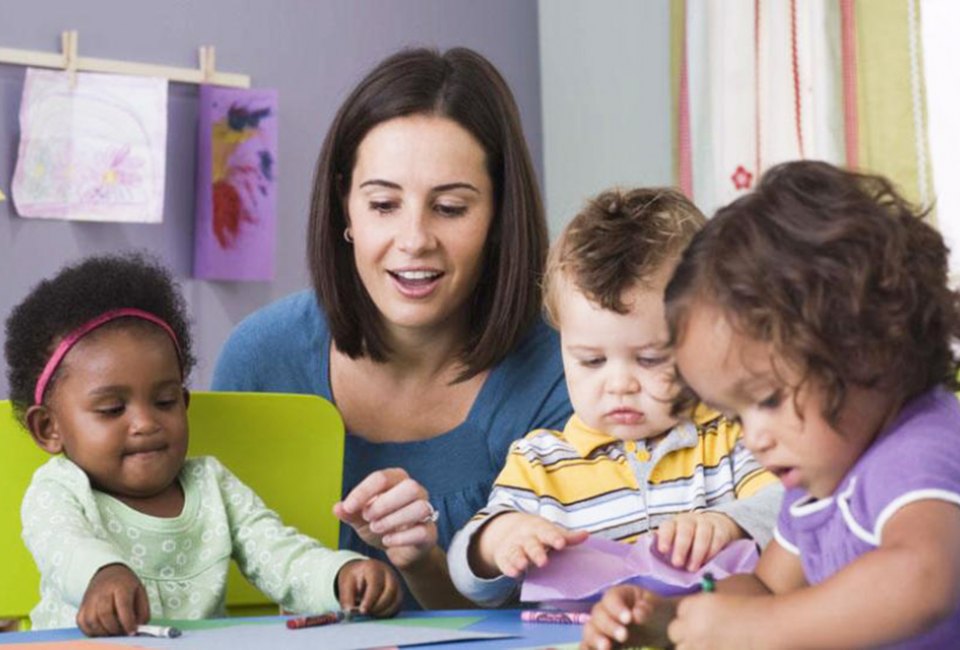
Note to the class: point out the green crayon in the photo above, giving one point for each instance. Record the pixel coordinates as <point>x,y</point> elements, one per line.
<point>707,583</point>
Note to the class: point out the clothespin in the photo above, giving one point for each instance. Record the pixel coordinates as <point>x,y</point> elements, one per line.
<point>68,43</point>
<point>207,63</point>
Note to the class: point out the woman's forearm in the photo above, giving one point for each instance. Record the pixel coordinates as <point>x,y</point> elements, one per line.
<point>429,582</point>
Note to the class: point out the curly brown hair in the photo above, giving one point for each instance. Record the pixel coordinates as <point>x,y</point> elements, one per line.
<point>620,238</point>
<point>838,272</point>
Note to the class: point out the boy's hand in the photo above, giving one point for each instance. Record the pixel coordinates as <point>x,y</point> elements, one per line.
<point>115,603</point>
<point>628,616</point>
<point>369,586</point>
<point>511,542</point>
<point>695,537</point>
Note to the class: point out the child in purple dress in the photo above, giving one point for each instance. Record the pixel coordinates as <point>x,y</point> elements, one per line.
<point>817,311</point>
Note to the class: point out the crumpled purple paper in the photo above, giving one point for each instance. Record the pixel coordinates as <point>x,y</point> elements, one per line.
<point>585,571</point>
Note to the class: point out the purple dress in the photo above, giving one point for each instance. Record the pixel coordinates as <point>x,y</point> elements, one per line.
<point>917,458</point>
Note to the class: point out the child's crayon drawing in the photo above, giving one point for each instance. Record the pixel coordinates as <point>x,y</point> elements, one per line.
<point>236,184</point>
<point>93,149</point>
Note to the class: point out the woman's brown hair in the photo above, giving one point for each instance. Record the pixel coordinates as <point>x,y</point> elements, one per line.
<point>462,86</point>
<point>838,272</point>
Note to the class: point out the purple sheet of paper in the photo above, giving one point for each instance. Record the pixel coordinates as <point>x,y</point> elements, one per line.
<point>236,211</point>
<point>585,571</point>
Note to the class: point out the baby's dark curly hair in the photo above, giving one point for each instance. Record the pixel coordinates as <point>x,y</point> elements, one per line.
<point>77,294</point>
<point>838,272</point>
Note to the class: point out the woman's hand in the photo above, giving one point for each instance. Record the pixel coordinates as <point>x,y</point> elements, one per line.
<point>115,603</point>
<point>391,511</point>
<point>370,586</point>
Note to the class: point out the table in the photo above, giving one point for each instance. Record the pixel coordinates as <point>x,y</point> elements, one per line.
<point>507,621</point>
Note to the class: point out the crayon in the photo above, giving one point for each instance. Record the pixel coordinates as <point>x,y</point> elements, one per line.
<point>319,619</point>
<point>554,616</point>
<point>159,631</point>
<point>707,583</point>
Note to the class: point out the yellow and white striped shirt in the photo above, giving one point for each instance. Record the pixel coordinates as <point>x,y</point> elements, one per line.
<point>584,479</point>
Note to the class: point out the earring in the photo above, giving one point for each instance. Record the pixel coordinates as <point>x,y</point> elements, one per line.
<point>347,235</point>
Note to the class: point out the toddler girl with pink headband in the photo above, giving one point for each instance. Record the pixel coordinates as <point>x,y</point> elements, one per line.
<point>124,527</point>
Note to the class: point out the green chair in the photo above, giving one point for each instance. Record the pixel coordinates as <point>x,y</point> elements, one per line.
<point>19,459</point>
<point>287,448</point>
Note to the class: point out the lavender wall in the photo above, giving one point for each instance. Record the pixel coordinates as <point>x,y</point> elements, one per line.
<point>312,51</point>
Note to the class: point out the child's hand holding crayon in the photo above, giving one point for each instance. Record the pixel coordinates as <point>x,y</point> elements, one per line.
<point>628,616</point>
<point>703,621</point>
<point>114,603</point>
<point>369,586</point>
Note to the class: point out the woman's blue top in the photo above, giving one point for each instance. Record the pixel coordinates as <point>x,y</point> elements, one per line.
<point>285,347</point>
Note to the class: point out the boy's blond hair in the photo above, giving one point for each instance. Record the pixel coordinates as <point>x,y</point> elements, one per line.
<point>619,239</point>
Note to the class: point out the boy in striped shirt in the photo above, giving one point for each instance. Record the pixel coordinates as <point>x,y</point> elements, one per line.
<point>625,464</point>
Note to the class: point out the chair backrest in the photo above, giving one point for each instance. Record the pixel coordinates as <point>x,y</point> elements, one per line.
<point>19,459</point>
<point>287,448</point>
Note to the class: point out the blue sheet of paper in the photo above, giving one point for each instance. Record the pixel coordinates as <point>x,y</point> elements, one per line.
<point>340,636</point>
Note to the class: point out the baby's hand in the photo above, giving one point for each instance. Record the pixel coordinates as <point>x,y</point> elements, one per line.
<point>628,616</point>
<point>370,586</point>
<point>515,540</point>
<point>115,603</point>
<point>696,537</point>
<point>704,621</point>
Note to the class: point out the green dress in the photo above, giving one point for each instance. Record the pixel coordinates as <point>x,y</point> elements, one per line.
<point>73,530</point>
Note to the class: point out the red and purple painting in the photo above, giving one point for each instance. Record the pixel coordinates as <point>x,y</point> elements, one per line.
<point>236,214</point>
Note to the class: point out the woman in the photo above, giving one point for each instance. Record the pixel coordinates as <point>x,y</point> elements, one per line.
<point>426,242</point>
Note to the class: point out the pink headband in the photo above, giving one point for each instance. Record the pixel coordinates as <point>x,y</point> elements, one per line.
<point>71,339</point>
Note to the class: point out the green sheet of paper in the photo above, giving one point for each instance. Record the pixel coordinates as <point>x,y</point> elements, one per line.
<point>442,622</point>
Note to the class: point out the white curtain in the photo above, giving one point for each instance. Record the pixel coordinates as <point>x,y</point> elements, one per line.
<point>941,52</point>
<point>764,87</point>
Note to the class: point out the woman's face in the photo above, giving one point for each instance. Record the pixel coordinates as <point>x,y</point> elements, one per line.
<point>420,206</point>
